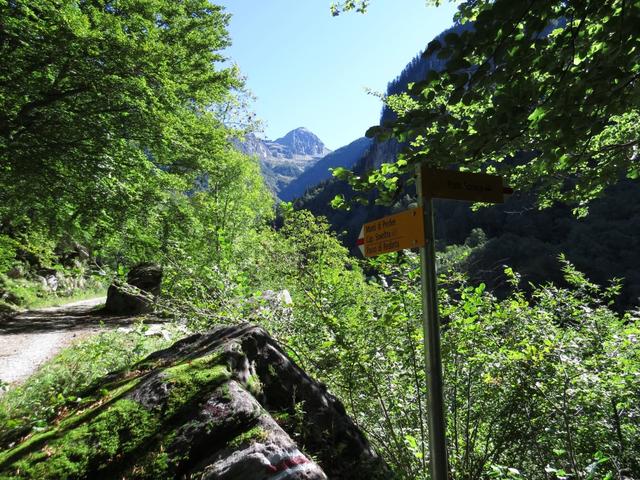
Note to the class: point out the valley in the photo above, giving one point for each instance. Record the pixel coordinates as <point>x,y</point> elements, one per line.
<point>152,149</point>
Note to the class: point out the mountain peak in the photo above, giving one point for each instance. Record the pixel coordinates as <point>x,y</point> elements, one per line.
<point>286,158</point>
<point>302,141</point>
<point>301,130</point>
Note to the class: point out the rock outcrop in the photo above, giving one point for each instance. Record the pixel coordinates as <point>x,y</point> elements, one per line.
<point>225,405</point>
<point>298,142</point>
<point>146,279</point>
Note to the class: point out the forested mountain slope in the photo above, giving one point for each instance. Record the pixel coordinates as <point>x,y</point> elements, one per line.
<point>345,157</point>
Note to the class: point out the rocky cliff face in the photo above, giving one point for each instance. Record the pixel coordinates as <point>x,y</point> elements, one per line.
<point>226,405</point>
<point>299,142</point>
<point>286,158</point>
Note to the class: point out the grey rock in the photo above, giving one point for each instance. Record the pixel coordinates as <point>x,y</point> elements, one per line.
<point>281,297</point>
<point>146,280</point>
<point>42,281</point>
<point>285,159</point>
<point>269,452</point>
<point>224,405</point>
<point>158,331</point>
<point>51,283</point>
<point>79,283</point>
<point>299,142</point>
<point>16,272</point>
<point>82,252</point>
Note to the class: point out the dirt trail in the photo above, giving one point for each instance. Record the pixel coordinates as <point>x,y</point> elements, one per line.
<point>29,339</point>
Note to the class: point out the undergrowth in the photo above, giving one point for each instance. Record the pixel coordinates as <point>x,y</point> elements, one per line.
<point>55,386</point>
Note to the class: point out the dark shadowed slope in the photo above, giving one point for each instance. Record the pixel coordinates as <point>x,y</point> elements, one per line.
<point>345,157</point>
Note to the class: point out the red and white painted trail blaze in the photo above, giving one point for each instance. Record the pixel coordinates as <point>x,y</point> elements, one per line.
<point>282,466</point>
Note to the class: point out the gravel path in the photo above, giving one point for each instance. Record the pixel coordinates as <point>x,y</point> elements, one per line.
<point>22,354</point>
<point>29,339</point>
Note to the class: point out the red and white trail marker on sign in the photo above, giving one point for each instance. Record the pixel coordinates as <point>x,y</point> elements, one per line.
<point>360,241</point>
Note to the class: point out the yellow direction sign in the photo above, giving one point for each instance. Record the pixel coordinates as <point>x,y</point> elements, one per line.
<point>392,233</point>
<point>474,187</point>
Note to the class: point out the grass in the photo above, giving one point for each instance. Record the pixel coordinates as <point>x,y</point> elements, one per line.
<point>9,309</point>
<point>256,434</point>
<point>56,385</point>
<point>57,301</point>
<point>24,294</point>
<point>102,434</point>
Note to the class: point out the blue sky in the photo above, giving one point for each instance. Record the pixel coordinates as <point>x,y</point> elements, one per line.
<point>309,69</point>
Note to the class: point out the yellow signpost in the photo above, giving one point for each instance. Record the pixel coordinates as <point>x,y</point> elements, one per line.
<point>415,228</point>
<point>392,233</point>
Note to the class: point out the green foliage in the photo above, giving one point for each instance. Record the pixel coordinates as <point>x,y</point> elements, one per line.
<point>116,431</point>
<point>525,377</point>
<point>190,380</point>
<point>8,249</point>
<point>540,386</point>
<point>558,79</point>
<point>57,385</point>
<point>256,434</point>
<point>21,293</point>
<point>112,133</point>
<point>360,6</point>
<point>529,379</point>
<point>26,293</point>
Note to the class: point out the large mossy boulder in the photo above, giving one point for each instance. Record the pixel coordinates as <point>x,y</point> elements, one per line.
<point>225,405</point>
<point>137,294</point>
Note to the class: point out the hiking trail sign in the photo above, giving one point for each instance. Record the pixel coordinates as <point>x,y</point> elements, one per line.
<point>473,187</point>
<point>415,228</point>
<point>392,233</point>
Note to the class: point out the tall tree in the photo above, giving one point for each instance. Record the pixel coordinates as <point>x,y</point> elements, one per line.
<point>103,104</point>
<point>557,79</point>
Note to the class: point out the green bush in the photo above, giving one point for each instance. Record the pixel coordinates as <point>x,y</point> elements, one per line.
<point>539,386</point>
<point>7,253</point>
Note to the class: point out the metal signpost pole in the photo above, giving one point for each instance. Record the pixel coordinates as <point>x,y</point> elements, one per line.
<point>431,325</point>
<point>414,228</point>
